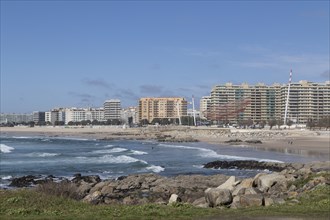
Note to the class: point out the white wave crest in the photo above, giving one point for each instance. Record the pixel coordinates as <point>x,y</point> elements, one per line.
<point>109,145</point>
<point>43,154</point>
<point>6,149</point>
<point>136,152</point>
<point>114,150</point>
<point>155,169</point>
<point>208,153</point>
<point>6,177</point>
<point>119,159</point>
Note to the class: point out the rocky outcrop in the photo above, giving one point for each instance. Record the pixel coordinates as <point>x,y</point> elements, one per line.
<point>245,164</point>
<point>265,189</point>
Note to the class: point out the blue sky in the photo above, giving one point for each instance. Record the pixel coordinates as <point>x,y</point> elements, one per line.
<point>80,53</point>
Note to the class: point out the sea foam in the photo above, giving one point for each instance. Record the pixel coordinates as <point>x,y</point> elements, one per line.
<point>136,152</point>
<point>43,154</point>
<point>6,149</point>
<point>155,169</point>
<point>208,153</point>
<point>113,150</point>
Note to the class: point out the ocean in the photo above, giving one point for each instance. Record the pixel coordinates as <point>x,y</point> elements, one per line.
<point>66,156</point>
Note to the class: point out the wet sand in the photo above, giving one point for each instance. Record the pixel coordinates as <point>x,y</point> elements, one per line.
<point>313,143</point>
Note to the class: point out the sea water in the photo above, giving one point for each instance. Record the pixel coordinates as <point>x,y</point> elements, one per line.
<point>66,156</point>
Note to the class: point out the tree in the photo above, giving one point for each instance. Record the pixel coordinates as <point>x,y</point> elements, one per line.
<point>279,123</point>
<point>272,123</point>
<point>144,122</point>
<point>289,123</point>
<point>310,124</point>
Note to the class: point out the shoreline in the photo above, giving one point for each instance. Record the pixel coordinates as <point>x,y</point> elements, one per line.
<point>301,142</point>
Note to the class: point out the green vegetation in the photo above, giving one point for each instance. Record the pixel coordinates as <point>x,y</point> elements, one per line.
<point>30,204</point>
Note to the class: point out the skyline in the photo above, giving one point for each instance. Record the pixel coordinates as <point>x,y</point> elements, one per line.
<point>81,53</point>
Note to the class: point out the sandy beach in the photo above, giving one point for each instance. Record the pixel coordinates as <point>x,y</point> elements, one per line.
<point>294,141</point>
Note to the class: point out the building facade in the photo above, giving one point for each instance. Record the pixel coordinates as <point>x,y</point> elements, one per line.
<point>112,109</point>
<point>16,118</point>
<point>204,105</point>
<point>160,108</point>
<point>261,103</point>
<point>38,117</point>
<point>83,114</point>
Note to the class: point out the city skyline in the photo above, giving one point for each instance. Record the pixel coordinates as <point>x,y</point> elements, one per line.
<point>82,53</point>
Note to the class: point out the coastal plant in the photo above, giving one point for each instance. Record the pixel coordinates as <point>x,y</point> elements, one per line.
<point>63,189</point>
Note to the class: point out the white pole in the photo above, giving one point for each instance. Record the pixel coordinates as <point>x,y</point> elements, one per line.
<point>287,99</point>
<point>193,104</point>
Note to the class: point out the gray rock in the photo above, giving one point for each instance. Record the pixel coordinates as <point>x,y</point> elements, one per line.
<point>268,201</point>
<point>93,198</point>
<point>252,191</point>
<point>267,181</point>
<point>201,203</point>
<point>229,184</point>
<point>251,200</point>
<point>174,199</point>
<point>218,197</point>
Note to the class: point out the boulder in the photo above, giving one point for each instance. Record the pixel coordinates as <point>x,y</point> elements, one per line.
<point>268,201</point>
<point>267,181</point>
<point>93,198</point>
<point>251,200</point>
<point>236,203</point>
<point>229,184</point>
<point>107,190</point>
<point>218,197</point>
<point>252,191</point>
<point>174,199</point>
<point>201,203</point>
<point>23,181</point>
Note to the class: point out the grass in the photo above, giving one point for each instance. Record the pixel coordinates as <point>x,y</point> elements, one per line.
<point>31,204</point>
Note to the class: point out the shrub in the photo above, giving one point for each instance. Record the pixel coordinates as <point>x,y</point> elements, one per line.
<point>63,189</point>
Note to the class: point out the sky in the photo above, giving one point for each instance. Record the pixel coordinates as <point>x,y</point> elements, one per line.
<point>81,53</point>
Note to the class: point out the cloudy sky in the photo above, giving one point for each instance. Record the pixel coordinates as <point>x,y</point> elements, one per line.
<point>80,53</point>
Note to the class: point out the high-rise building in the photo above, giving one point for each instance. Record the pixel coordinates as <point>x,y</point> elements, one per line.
<point>204,105</point>
<point>234,103</point>
<point>17,118</point>
<point>171,108</point>
<point>112,109</point>
<point>38,117</point>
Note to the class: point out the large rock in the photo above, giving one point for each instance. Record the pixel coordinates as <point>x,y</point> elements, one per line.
<point>240,189</point>
<point>218,197</point>
<point>229,184</point>
<point>23,181</point>
<point>174,199</point>
<point>267,181</point>
<point>201,203</point>
<point>93,198</point>
<point>251,200</point>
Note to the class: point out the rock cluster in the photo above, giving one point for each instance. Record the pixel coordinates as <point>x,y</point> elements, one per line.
<point>264,189</point>
<point>267,189</point>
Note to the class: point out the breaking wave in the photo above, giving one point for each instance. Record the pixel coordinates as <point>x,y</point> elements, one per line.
<point>6,149</point>
<point>208,153</point>
<point>155,169</point>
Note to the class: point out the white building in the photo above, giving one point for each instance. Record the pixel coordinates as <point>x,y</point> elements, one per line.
<point>112,109</point>
<point>83,114</point>
<point>130,115</point>
<point>205,103</point>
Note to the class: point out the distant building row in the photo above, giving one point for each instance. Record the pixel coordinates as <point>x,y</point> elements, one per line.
<point>234,103</point>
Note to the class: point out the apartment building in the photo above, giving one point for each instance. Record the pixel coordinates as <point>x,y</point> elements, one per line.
<point>83,114</point>
<point>17,118</point>
<point>234,103</point>
<point>307,100</point>
<point>112,109</point>
<point>38,117</point>
<point>171,108</point>
<point>204,105</point>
